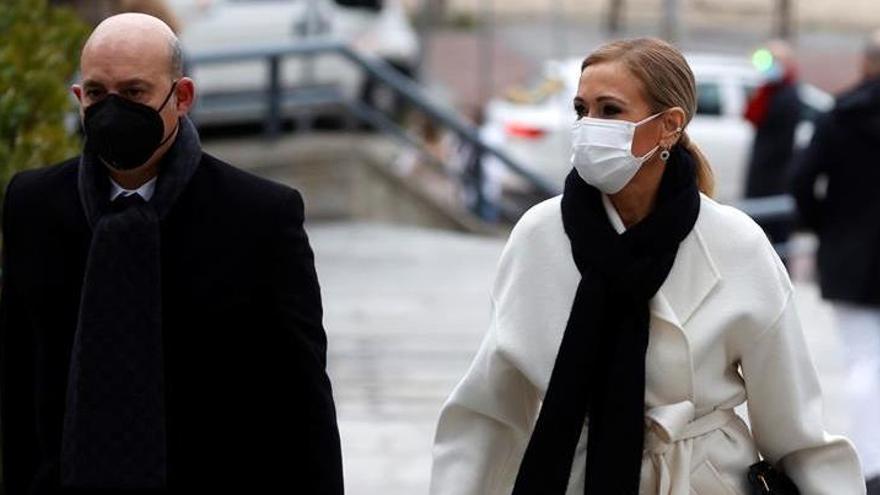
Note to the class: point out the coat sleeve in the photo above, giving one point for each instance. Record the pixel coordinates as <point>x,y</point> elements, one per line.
<point>17,399</point>
<point>484,426</point>
<point>297,300</point>
<point>785,409</point>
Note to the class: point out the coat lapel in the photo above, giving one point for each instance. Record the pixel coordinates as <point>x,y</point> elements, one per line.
<point>692,278</point>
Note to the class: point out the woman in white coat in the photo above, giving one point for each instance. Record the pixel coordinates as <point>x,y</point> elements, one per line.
<point>630,316</point>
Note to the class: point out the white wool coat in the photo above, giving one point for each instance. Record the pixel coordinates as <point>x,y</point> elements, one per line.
<point>723,330</point>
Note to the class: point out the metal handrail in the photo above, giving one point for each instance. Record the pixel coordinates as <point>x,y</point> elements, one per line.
<point>778,208</point>
<point>377,68</point>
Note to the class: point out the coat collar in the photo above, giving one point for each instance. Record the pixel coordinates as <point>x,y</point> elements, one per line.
<point>692,278</point>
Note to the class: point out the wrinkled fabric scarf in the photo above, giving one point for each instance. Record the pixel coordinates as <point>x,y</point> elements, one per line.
<point>599,374</point>
<point>114,434</point>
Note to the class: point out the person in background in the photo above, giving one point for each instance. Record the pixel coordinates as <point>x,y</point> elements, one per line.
<point>836,182</point>
<point>161,319</point>
<point>774,109</point>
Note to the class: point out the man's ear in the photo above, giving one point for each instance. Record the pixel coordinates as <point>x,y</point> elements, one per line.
<point>186,95</point>
<point>77,91</point>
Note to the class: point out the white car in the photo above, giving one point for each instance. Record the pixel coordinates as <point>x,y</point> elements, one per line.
<point>534,126</point>
<point>232,92</point>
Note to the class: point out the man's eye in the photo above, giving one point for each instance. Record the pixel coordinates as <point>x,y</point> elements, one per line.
<point>579,110</point>
<point>133,93</point>
<point>94,93</point>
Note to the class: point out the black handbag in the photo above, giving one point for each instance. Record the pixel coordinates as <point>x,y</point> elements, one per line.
<point>764,479</point>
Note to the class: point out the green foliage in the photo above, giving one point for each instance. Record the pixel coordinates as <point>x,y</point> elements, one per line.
<point>39,53</point>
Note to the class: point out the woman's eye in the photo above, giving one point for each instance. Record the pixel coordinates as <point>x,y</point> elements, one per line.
<point>579,110</point>
<point>610,110</point>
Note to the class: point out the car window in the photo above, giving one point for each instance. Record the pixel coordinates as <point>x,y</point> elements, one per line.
<point>708,98</point>
<point>363,4</point>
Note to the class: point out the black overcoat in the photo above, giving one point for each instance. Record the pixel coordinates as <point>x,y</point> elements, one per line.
<point>844,155</point>
<point>773,146</point>
<point>248,402</point>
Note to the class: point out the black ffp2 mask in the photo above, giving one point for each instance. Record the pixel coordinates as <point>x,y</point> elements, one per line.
<point>124,133</point>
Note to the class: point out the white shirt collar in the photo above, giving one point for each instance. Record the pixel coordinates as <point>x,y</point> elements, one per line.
<point>146,191</point>
<point>613,216</point>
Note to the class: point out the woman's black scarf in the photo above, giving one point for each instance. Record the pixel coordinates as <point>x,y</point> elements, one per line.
<point>114,434</point>
<point>600,368</point>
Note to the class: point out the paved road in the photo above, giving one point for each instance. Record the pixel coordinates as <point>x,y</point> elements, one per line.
<point>405,311</point>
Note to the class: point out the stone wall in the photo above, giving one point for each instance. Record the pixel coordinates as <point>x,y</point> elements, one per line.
<point>346,177</point>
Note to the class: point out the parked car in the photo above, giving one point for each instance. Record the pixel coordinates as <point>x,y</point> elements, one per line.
<point>534,125</point>
<point>234,92</point>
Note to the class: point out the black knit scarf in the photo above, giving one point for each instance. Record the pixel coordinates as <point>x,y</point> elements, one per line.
<point>114,434</point>
<point>599,374</point>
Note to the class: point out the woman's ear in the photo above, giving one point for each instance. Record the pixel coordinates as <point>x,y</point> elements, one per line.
<point>673,125</point>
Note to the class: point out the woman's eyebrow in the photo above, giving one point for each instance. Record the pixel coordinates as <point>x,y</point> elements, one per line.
<point>578,99</point>
<point>611,98</point>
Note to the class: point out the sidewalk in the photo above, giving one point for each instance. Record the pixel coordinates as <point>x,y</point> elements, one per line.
<point>405,310</point>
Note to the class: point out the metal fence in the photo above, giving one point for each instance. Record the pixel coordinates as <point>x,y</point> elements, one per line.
<point>380,71</point>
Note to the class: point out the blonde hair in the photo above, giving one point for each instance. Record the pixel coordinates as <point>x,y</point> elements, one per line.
<point>668,82</point>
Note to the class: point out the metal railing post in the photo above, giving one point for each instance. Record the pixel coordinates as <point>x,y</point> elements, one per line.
<point>479,181</point>
<point>273,112</point>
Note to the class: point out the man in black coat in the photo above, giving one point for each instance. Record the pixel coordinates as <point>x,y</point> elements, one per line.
<point>837,187</point>
<point>160,324</point>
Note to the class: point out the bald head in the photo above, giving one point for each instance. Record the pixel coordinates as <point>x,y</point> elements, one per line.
<point>135,36</point>
<point>872,56</point>
<point>136,57</point>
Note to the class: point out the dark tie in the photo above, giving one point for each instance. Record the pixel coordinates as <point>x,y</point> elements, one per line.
<point>114,426</point>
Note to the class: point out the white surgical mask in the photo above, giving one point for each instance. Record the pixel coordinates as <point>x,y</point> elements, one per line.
<point>601,152</point>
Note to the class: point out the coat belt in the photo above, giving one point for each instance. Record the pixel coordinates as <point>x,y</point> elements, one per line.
<point>671,430</point>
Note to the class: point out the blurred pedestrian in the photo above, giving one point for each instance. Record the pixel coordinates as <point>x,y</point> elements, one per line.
<point>160,321</point>
<point>774,110</point>
<point>837,187</point>
<point>568,394</point>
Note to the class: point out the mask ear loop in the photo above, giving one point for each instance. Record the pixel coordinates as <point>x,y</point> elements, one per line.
<point>649,118</point>
<point>168,97</point>
<point>644,158</point>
